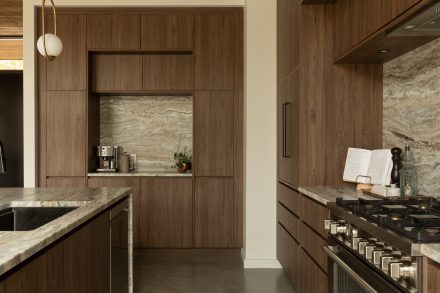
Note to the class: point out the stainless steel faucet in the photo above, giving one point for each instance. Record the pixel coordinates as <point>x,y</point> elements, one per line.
<point>2,159</point>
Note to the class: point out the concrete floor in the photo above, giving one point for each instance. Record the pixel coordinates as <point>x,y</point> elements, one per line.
<point>202,271</point>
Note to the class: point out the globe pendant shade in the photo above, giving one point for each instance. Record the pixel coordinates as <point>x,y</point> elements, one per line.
<point>54,46</point>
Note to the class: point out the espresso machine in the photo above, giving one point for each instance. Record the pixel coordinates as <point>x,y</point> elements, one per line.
<point>108,158</point>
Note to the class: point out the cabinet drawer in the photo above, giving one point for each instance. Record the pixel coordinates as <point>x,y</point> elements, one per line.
<point>288,256</point>
<point>289,221</point>
<point>314,215</point>
<point>289,198</point>
<point>312,243</point>
<point>313,279</point>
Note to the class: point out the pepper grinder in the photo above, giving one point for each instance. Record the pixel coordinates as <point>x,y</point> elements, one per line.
<point>397,164</point>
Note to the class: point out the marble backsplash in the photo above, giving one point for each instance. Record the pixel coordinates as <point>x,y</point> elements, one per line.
<point>148,126</point>
<point>412,109</point>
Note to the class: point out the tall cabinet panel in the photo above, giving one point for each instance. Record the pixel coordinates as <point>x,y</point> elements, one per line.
<point>64,73</point>
<point>66,133</point>
<point>214,129</point>
<point>214,51</point>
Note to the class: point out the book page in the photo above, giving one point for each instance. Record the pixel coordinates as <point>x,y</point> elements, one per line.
<point>356,164</point>
<point>379,169</point>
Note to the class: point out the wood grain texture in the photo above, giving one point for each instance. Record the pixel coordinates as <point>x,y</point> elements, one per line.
<point>312,278</point>
<point>239,147</point>
<point>214,132</point>
<point>168,72</point>
<point>11,18</point>
<point>290,198</point>
<point>312,243</point>
<point>431,276</point>
<point>11,49</point>
<point>113,32</point>
<point>288,26</point>
<point>290,222</point>
<point>214,52</point>
<point>169,220</point>
<point>100,270</point>
<point>69,70</point>
<point>173,31</point>
<point>66,133</point>
<point>96,182</point>
<point>66,182</point>
<point>213,204</point>
<point>288,255</point>
<point>117,72</point>
<point>314,215</point>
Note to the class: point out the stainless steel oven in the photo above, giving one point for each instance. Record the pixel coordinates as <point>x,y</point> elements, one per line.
<point>349,274</point>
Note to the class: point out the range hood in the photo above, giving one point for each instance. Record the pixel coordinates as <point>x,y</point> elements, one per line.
<point>424,24</point>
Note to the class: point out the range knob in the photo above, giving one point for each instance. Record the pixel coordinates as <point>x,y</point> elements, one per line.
<point>338,228</point>
<point>364,243</point>
<point>404,269</point>
<point>355,243</point>
<point>328,223</point>
<point>377,253</point>
<point>369,249</point>
<point>386,259</point>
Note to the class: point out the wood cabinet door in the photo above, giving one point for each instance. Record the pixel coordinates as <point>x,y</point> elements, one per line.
<point>96,182</point>
<point>166,219</point>
<point>288,129</point>
<point>355,20</point>
<point>312,278</point>
<point>66,182</point>
<point>66,133</point>
<point>168,72</point>
<point>113,31</point>
<point>214,212</point>
<point>288,256</point>
<point>214,52</point>
<point>214,134</point>
<point>166,32</point>
<point>117,72</point>
<point>68,71</point>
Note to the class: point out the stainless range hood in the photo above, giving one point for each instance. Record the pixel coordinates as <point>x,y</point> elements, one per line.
<point>424,24</point>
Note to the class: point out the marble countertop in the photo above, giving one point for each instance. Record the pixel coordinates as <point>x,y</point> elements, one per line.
<point>17,246</point>
<point>325,194</point>
<point>140,174</point>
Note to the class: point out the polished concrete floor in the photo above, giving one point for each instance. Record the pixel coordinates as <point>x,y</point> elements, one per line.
<point>202,271</point>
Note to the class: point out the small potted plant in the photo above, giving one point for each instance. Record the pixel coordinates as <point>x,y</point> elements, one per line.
<point>182,160</point>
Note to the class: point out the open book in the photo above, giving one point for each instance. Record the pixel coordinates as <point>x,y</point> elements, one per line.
<point>376,164</point>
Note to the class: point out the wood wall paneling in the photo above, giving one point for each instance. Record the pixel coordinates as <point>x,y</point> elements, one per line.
<point>168,72</point>
<point>11,18</point>
<point>11,49</point>
<point>66,133</point>
<point>68,71</point>
<point>214,52</point>
<point>113,31</point>
<point>96,182</point>
<point>169,220</point>
<point>165,32</point>
<point>213,222</point>
<point>214,130</point>
<point>117,72</point>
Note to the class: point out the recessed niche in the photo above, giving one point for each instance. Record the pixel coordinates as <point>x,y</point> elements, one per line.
<point>149,126</point>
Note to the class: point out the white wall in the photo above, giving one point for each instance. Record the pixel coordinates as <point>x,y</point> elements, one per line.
<point>260,113</point>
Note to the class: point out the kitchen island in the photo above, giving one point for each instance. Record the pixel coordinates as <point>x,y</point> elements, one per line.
<point>71,253</point>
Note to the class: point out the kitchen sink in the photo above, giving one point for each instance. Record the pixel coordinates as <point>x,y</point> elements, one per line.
<point>30,218</point>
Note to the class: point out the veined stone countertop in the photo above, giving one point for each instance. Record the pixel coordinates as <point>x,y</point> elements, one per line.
<point>140,174</point>
<point>17,246</point>
<point>325,194</point>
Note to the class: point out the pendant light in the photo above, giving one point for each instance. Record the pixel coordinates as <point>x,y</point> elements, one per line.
<point>49,45</point>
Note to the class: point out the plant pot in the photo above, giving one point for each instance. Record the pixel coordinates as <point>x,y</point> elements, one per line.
<point>184,168</point>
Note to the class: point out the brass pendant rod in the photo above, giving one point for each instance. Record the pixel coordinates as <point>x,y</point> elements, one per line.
<point>50,58</point>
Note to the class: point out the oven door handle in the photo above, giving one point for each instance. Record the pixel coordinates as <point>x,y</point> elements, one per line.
<point>330,250</point>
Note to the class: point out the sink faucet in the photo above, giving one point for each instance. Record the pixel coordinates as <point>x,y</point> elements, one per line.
<point>2,159</point>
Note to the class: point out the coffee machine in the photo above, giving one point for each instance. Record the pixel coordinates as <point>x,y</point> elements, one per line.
<point>108,158</point>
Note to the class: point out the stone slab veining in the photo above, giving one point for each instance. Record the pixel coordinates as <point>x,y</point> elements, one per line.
<point>140,174</point>
<point>17,246</point>
<point>326,194</point>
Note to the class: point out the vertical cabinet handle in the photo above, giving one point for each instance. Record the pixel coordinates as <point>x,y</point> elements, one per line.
<point>286,130</point>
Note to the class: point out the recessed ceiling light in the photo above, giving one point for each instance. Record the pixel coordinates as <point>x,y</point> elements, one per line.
<point>383,51</point>
<point>408,27</point>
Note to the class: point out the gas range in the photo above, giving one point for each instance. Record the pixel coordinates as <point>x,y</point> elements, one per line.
<point>381,238</point>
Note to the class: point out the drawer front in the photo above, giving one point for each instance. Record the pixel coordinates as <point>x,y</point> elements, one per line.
<point>289,198</point>
<point>313,279</point>
<point>289,221</point>
<point>314,215</point>
<point>288,256</point>
<point>312,243</point>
